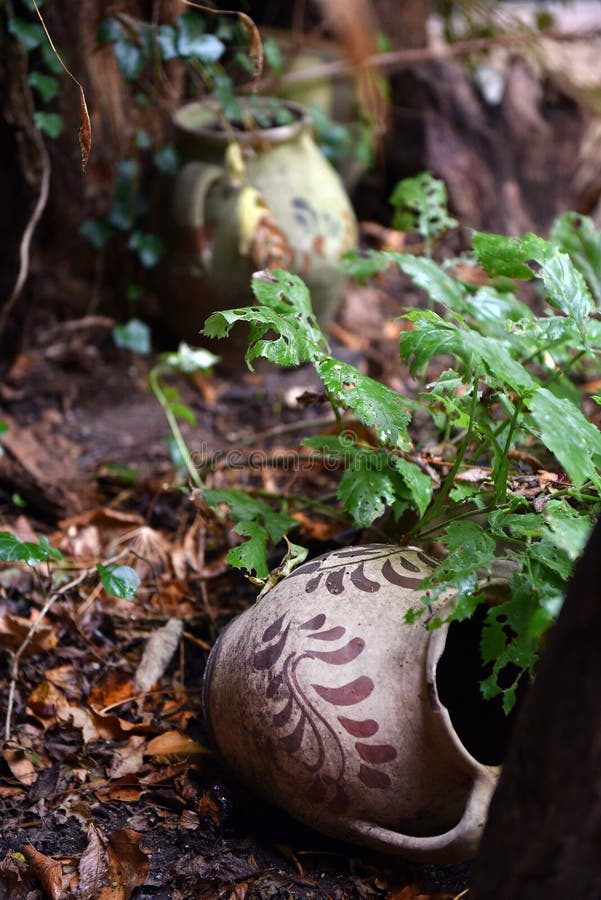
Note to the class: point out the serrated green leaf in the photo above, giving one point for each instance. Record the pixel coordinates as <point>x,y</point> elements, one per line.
<point>493,639</point>
<point>286,311</point>
<point>428,275</point>
<point>365,492</point>
<point>505,256</point>
<point>577,235</point>
<point>419,484</point>
<point>254,519</point>
<point>566,287</point>
<point>574,441</point>
<point>365,265</point>
<point>374,404</point>
<point>252,554</point>
<point>420,203</point>
<point>430,337</point>
<point>134,335</point>
<point>470,547</point>
<point>569,529</point>
<point>119,581</point>
<point>10,547</point>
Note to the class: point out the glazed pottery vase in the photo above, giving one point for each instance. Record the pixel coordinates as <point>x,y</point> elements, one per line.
<point>281,206</point>
<point>323,699</point>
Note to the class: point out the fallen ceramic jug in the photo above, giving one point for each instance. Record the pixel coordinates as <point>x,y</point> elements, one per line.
<point>323,699</point>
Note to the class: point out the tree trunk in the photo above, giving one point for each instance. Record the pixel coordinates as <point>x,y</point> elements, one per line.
<point>543,836</point>
<point>58,253</point>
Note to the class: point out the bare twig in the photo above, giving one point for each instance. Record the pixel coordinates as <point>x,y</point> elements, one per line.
<point>397,60</point>
<point>25,247</point>
<point>50,601</point>
<point>14,668</point>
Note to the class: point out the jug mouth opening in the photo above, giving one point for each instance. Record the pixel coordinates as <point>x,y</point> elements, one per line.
<point>481,725</point>
<point>204,119</point>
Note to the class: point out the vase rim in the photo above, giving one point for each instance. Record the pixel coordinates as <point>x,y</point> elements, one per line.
<point>196,118</point>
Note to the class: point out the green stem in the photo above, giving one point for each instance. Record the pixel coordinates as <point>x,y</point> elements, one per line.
<point>501,476</point>
<point>449,480</point>
<point>155,384</point>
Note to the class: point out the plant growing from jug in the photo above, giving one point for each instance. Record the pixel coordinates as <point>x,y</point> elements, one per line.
<point>517,469</point>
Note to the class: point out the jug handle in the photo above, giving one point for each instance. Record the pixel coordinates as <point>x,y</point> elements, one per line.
<point>192,186</point>
<point>458,844</point>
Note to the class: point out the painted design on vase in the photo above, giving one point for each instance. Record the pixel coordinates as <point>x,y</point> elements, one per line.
<point>334,572</point>
<point>302,723</point>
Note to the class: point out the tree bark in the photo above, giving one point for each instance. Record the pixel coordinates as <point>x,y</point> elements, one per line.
<point>543,836</point>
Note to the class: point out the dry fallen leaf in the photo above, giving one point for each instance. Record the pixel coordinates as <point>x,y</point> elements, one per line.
<point>14,630</point>
<point>158,653</point>
<point>173,742</point>
<point>128,760</point>
<point>48,871</point>
<point>25,764</point>
<point>93,866</point>
<point>128,865</point>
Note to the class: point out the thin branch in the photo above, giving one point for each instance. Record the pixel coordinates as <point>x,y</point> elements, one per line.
<point>14,669</point>
<point>50,601</point>
<point>25,247</point>
<point>396,60</point>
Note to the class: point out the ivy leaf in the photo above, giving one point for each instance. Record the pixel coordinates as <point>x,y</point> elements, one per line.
<point>149,247</point>
<point>374,404</point>
<point>167,39</point>
<point>13,550</point>
<point>193,43</point>
<point>563,429</point>
<point>46,85</point>
<point>578,236</point>
<point>29,34</point>
<point>109,31</point>
<point>50,123</point>
<point>119,581</point>
<point>134,336</point>
<point>131,58</point>
<point>97,231</point>
<point>167,160</point>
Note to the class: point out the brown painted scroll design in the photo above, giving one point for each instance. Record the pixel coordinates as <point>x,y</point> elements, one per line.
<point>305,728</point>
